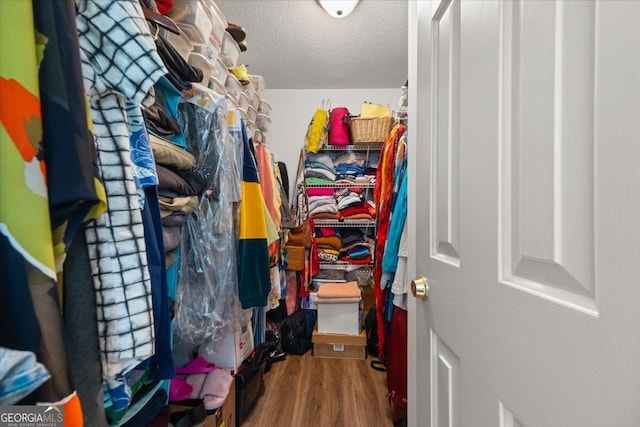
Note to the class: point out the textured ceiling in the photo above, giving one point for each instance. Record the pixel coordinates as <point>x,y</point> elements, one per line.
<point>297,45</point>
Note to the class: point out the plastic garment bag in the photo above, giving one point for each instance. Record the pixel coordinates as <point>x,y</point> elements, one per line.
<point>207,303</point>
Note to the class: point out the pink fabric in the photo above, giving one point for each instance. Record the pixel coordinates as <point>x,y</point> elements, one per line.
<point>327,232</point>
<point>179,389</point>
<point>339,126</point>
<point>215,388</point>
<point>196,381</point>
<point>265,171</point>
<point>320,192</point>
<point>199,365</point>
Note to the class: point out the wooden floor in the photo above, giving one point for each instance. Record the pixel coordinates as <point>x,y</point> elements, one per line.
<point>306,391</point>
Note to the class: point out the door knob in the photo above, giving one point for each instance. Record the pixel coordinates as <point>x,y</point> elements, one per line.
<point>420,288</point>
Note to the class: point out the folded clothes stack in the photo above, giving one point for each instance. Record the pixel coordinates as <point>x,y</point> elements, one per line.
<point>319,169</point>
<point>328,243</point>
<point>363,211</point>
<point>350,168</point>
<point>356,247</point>
<point>178,188</point>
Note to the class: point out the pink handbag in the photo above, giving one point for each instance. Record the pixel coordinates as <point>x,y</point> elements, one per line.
<point>339,126</point>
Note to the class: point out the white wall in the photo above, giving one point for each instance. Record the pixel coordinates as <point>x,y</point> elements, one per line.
<point>292,110</point>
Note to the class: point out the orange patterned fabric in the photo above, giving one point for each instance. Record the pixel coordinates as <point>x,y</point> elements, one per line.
<point>382,197</point>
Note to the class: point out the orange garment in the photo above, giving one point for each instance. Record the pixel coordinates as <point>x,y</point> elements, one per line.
<point>331,241</point>
<point>327,215</point>
<point>72,410</point>
<point>382,198</point>
<point>265,171</point>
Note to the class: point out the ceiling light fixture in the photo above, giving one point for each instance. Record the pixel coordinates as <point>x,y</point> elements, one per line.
<point>338,8</point>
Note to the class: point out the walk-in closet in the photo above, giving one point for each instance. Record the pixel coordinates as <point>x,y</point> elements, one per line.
<point>238,213</point>
<point>190,236</point>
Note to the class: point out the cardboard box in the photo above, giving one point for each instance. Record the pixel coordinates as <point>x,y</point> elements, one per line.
<point>228,409</point>
<point>339,346</point>
<point>339,318</point>
<point>234,348</point>
<point>224,416</point>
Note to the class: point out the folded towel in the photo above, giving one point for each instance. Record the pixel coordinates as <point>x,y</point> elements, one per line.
<point>339,290</point>
<point>336,300</point>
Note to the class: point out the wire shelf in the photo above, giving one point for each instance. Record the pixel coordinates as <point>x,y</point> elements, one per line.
<point>339,265</point>
<point>343,185</point>
<point>353,147</point>
<point>344,223</point>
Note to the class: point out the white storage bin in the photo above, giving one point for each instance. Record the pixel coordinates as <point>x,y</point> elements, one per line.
<point>250,89</point>
<point>255,101</point>
<point>243,104</point>
<point>258,82</point>
<point>221,71</point>
<point>217,86</point>
<point>201,61</point>
<point>218,23</point>
<point>234,348</point>
<point>191,17</point>
<point>252,113</point>
<point>262,122</point>
<point>234,88</point>
<point>231,103</point>
<point>264,107</point>
<point>210,50</point>
<point>338,318</point>
<point>180,42</point>
<point>230,50</point>
<point>251,127</point>
<point>258,135</point>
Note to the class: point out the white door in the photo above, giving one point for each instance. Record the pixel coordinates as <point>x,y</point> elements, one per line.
<point>525,210</point>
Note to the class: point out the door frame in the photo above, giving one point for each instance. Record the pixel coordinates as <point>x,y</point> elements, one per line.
<point>418,345</point>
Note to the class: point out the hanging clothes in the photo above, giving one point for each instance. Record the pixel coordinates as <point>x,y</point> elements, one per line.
<point>18,152</point>
<point>253,252</point>
<point>116,240</point>
<point>29,297</point>
<point>75,192</point>
<point>397,219</point>
<point>382,198</point>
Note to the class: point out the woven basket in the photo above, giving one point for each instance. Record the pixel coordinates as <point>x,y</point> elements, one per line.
<point>370,130</point>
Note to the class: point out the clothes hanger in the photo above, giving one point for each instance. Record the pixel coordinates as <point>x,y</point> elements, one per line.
<point>160,20</point>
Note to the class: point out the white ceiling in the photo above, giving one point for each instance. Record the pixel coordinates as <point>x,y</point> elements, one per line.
<point>297,45</point>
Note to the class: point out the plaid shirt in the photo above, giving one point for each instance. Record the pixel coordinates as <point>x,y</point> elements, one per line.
<point>119,62</point>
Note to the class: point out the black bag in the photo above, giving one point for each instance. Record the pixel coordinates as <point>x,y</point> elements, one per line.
<point>371,329</point>
<point>296,331</point>
<point>250,381</point>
